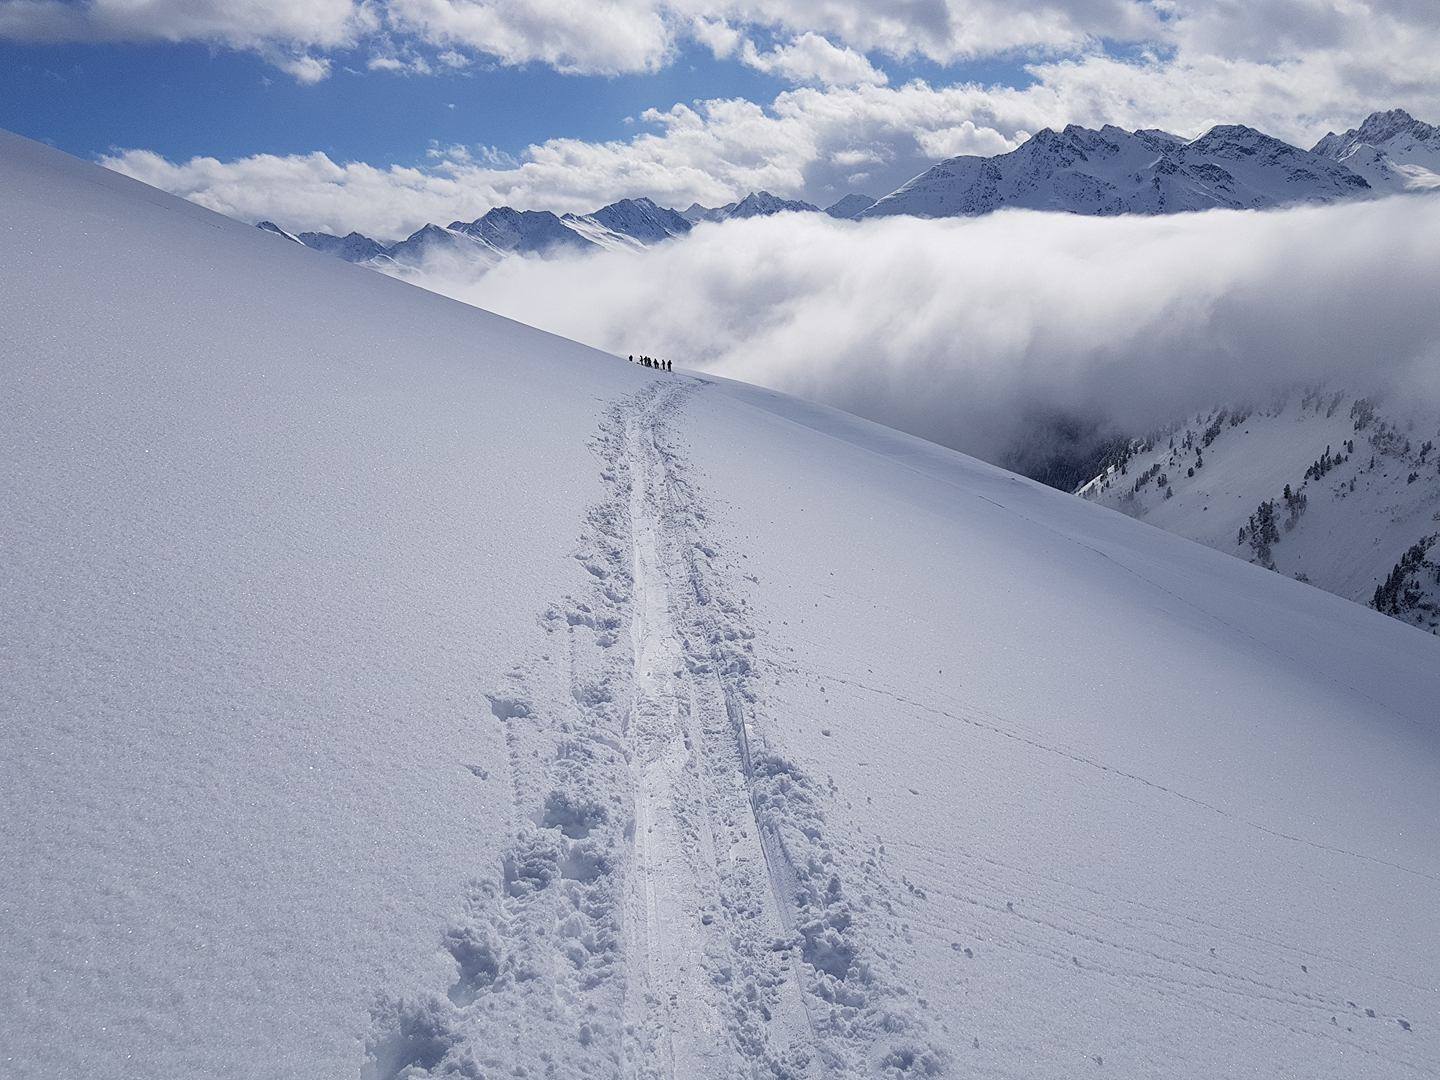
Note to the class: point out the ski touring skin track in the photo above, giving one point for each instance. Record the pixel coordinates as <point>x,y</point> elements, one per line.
<point>669,904</point>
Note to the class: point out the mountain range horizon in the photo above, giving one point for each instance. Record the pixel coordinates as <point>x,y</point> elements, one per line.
<point>1097,171</point>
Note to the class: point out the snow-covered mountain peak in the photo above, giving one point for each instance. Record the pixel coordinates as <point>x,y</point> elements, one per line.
<point>629,224</point>
<point>763,204</point>
<point>1392,150</point>
<point>755,204</point>
<point>1113,171</point>
<point>423,244</point>
<point>1380,127</point>
<point>523,231</point>
<point>850,206</point>
<point>353,247</point>
<point>695,213</point>
<point>640,219</point>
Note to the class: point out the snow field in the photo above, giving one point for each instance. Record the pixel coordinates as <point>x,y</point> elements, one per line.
<point>398,692</point>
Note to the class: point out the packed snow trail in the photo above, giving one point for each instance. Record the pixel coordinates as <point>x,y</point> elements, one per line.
<point>699,902</point>
<point>670,905</point>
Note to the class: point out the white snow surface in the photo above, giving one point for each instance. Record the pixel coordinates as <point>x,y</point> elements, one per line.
<point>1363,472</point>
<point>392,690</point>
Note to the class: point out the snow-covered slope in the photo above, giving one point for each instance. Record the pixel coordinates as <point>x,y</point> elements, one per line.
<point>1112,171</point>
<point>1327,486</point>
<point>850,206</point>
<point>392,690</point>
<point>1391,150</point>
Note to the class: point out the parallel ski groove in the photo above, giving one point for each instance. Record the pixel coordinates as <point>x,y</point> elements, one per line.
<point>670,905</point>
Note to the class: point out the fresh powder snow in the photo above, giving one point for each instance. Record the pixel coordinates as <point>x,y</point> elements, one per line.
<point>396,691</point>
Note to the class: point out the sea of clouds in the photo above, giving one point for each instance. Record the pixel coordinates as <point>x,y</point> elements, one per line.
<point>1019,335</point>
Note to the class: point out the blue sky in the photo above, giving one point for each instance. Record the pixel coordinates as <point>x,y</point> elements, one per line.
<point>185,100</point>
<point>381,115</point>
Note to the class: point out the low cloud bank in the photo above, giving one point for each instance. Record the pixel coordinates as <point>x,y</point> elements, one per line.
<point>1018,335</point>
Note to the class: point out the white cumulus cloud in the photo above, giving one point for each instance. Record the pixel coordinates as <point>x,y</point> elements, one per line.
<point>813,142</point>
<point>810,58</point>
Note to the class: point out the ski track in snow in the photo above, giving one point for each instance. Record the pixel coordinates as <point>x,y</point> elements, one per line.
<point>670,903</point>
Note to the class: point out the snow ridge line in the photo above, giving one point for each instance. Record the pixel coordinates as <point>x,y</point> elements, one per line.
<point>669,904</point>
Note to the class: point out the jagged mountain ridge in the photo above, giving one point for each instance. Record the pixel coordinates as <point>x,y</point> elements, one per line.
<point>1113,171</point>
<point>1331,487</point>
<point>1077,170</point>
<point>1390,149</point>
<point>629,224</point>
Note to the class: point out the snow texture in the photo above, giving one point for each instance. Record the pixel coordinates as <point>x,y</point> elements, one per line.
<point>1348,484</point>
<point>397,692</point>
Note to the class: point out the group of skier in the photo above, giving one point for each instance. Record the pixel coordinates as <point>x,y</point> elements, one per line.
<point>651,362</point>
